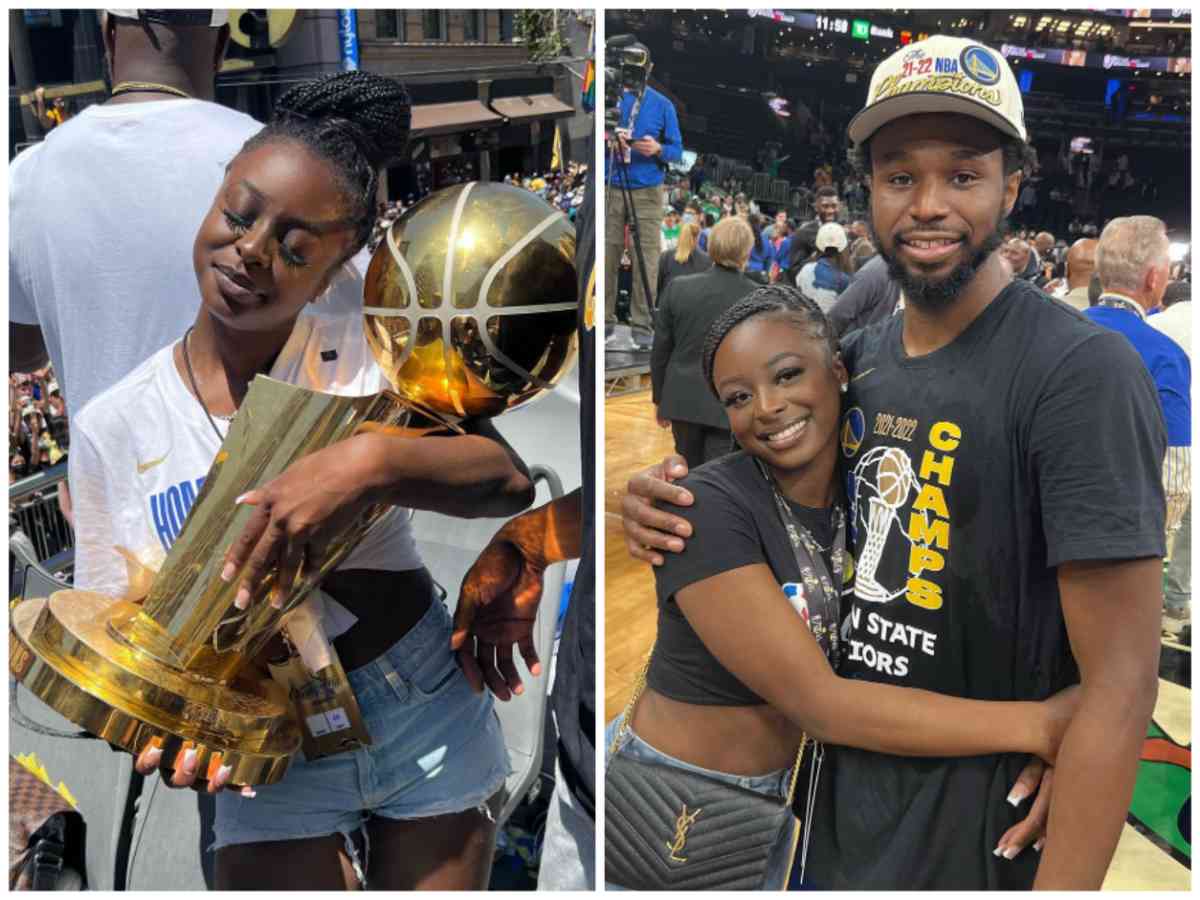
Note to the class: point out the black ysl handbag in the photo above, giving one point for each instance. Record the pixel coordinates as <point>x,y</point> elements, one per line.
<point>669,829</point>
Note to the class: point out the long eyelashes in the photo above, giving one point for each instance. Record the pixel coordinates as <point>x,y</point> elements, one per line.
<point>240,226</point>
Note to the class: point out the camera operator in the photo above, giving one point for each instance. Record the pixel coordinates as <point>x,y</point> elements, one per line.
<point>644,140</point>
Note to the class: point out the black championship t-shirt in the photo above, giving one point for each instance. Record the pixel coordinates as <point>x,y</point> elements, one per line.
<point>735,523</point>
<point>574,696</point>
<point>1033,439</point>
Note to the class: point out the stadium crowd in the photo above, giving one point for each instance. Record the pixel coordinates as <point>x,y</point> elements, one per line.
<point>564,190</point>
<point>38,436</point>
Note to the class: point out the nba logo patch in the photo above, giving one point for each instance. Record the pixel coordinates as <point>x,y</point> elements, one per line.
<point>795,595</point>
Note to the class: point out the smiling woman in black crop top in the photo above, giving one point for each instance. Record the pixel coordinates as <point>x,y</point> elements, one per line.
<point>737,676</point>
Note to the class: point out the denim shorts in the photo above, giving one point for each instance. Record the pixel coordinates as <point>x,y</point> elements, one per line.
<point>437,748</point>
<point>774,784</point>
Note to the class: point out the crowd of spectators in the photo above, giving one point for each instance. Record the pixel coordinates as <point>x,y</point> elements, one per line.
<point>563,190</point>
<point>38,436</point>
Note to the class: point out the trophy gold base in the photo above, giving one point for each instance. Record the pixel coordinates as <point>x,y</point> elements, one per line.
<point>67,653</point>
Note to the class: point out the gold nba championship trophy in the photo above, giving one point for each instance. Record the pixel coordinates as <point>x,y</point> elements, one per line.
<point>470,309</point>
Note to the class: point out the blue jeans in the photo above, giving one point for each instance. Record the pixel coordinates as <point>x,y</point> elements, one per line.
<point>436,749</point>
<point>774,784</point>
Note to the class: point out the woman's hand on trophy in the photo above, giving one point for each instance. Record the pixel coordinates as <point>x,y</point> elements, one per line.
<point>297,513</point>
<point>187,773</point>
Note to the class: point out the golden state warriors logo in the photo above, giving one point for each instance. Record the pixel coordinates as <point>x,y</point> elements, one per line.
<point>979,63</point>
<point>854,429</point>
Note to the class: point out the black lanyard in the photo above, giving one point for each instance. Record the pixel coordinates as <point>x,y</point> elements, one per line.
<point>1115,302</point>
<point>819,586</point>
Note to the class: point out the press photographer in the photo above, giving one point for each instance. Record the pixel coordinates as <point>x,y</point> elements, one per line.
<point>642,137</point>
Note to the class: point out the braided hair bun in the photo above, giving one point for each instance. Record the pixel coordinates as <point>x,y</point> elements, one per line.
<point>358,122</point>
<point>372,109</point>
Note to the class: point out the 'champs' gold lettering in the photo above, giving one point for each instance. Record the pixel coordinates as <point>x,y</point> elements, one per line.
<point>929,535</point>
<point>945,436</point>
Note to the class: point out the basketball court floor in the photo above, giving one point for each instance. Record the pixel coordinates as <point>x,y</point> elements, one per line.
<point>1155,848</point>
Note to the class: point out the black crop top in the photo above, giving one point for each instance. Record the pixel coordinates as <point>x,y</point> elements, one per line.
<point>734,524</point>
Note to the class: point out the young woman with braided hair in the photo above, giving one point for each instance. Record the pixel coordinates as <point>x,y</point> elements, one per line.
<point>747,623</point>
<point>411,810</point>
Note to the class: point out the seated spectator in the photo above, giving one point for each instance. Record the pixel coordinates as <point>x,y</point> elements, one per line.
<point>824,279</point>
<point>1020,257</point>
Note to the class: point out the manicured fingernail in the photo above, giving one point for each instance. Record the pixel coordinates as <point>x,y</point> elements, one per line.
<point>222,775</point>
<point>228,572</point>
<point>243,599</point>
<point>1039,844</point>
<point>242,499</point>
<point>1011,853</point>
<point>188,766</point>
<point>277,599</point>
<point>1017,795</point>
<point>249,792</point>
<point>154,756</point>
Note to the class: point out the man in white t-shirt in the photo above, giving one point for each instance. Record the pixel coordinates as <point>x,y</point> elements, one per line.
<point>103,213</point>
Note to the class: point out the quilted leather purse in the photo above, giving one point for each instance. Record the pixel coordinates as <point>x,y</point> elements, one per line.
<point>670,829</point>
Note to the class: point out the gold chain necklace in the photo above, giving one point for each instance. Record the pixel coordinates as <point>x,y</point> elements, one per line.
<point>129,87</point>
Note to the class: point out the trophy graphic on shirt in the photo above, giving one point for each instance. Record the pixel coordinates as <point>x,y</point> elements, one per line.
<point>470,308</point>
<point>894,480</point>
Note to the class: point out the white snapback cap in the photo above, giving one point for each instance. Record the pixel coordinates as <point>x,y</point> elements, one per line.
<point>942,74</point>
<point>831,234</point>
<point>213,18</point>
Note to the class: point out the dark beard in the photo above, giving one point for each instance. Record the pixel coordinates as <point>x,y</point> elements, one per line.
<point>935,296</point>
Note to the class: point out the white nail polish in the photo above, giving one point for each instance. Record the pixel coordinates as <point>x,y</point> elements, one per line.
<point>1015,798</point>
<point>189,760</point>
<point>999,851</point>
<point>1011,853</point>
<point>223,774</point>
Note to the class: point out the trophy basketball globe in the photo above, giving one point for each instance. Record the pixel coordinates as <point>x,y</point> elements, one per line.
<point>470,309</point>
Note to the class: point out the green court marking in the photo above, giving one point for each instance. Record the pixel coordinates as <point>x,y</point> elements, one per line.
<point>1163,790</point>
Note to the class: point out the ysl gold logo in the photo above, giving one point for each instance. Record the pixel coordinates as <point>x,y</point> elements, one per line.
<point>682,824</point>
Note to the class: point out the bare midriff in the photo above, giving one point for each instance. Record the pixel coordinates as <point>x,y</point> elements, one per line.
<point>738,740</point>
